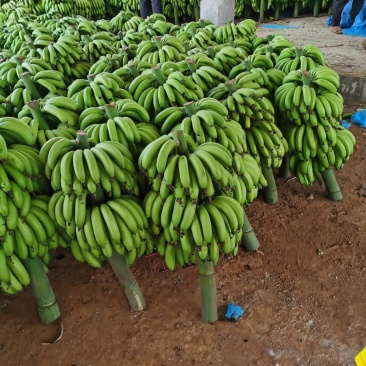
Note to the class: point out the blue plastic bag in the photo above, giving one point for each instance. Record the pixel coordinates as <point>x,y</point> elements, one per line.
<point>359,118</point>
<point>234,312</point>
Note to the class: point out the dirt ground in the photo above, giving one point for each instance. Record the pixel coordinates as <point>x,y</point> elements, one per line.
<point>304,298</point>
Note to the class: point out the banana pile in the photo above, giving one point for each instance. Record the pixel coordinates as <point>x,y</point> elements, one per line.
<point>312,109</point>
<point>129,135</point>
<point>182,206</point>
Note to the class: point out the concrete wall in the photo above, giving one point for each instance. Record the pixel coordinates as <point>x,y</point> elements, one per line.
<point>353,89</point>
<point>218,11</point>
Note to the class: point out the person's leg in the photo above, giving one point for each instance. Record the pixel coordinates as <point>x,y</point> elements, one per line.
<point>356,7</point>
<point>156,6</point>
<point>144,8</point>
<point>338,6</point>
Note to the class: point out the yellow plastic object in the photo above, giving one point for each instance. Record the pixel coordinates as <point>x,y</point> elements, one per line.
<point>361,358</point>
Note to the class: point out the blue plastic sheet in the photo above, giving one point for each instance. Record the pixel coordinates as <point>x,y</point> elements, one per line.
<point>234,312</point>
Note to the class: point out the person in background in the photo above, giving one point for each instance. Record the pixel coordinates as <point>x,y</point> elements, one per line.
<point>145,7</point>
<point>337,9</point>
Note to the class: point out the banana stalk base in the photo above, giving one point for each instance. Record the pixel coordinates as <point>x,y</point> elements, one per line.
<point>206,272</point>
<point>249,241</point>
<point>284,170</point>
<point>331,184</point>
<point>270,192</point>
<point>48,309</point>
<point>128,282</point>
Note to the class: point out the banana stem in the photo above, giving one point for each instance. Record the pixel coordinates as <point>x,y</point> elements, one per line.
<point>248,65</point>
<point>133,70</point>
<point>306,79</point>
<point>30,86</point>
<point>189,107</point>
<point>276,11</point>
<point>48,309</point>
<point>157,40</point>
<point>231,85</point>
<point>316,8</point>
<point>296,9</point>
<point>211,52</point>
<point>197,13</point>
<point>298,52</point>
<point>127,281</point>
<point>38,115</point>
<point>331,184</point>
<point>19,60</point>
<point>176,16</point>
<point>30,44</point>
<point>186,46</point>
<point>182,144</point>
<point>129,52</point>
<point>261,11</point>
<point>284,171</point>
<point>91,77</point>
<point>111,110</point>
<point>82,139</point>
<point>113,64</point>
<point>270,192</point>
<point>191,65</point>
<point>249,240</point>
<point>208,291</point>
<point>159,75</point>
<point>246,12</point>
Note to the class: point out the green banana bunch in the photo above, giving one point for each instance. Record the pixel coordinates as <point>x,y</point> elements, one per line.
<point>196,228</point>
<point>200,120</point>
<point>82,7</point>
<point>305,58</point>
<point>131,70</point>
<point>244,98</point>
<point>107,164</point>
<point>155,92</point>
<point>192,174</point>
<point>97,45</point>
<point>248,179</point>
<point>308,97</point>
<point>124,21</point>
<point>64,7</point>
<point>119,224</point>
<point>226,57</point>
<point>230,31</point>
<point>128,38</point>
<point>29,232</point>
<point>98,9</point>
<point>19,131</point>
<point>98,90</point>
<point>206,77</point>
<point>161,49</point>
